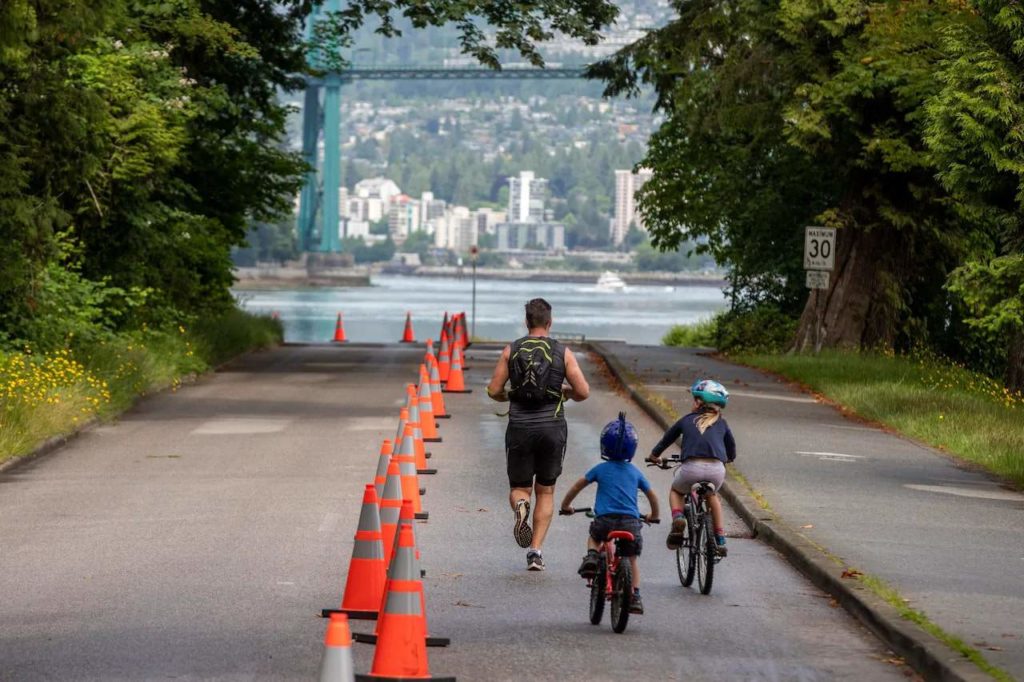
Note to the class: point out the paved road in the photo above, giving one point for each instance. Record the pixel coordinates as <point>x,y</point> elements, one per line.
<point>951,540</point>
<point>198,537</point>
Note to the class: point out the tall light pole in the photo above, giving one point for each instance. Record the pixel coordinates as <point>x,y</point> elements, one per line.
<point>473,251</point>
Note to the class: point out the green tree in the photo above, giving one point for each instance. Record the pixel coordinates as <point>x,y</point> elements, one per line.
<point>974,131</point>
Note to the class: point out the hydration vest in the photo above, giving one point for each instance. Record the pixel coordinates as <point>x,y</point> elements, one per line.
<point>536,369</point>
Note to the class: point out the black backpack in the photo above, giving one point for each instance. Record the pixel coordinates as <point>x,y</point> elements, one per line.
<point>536,368</point>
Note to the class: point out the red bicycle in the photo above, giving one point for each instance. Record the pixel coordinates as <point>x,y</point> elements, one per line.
<point>614,580</point>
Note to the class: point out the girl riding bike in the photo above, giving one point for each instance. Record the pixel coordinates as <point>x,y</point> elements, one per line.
<point>615,504</point>
<point>707,445</point>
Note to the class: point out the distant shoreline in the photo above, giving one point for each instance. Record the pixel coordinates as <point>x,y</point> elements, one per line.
<point>299,278</point>
<point>575,277</point>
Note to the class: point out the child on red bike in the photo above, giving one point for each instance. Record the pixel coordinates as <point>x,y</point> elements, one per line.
<point>707,445</point>
<point>615,504</point>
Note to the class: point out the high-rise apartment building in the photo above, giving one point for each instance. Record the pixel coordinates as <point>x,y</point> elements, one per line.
<point>627,184</point>
<point>526,198</point>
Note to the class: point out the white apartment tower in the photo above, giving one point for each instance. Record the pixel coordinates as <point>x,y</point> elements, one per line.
<point>627,184</point>
<point>526,198</point>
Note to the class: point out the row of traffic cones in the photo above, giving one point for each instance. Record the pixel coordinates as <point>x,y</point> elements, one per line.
<point>384,581</point>
<point>407,335</point>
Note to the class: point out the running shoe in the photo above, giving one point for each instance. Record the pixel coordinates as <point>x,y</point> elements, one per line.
<point>534,561</point>
<point>720,548</point>
<point>521,530</point>
<point>636,604</point>
<point>677,533</point>
<point>589,567</point>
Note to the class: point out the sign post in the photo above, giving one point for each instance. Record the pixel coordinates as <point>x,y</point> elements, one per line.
<point>819,261</point>
<point>473,252</point>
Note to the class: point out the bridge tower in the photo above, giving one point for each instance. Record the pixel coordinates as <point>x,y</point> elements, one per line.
<point>319,213</point>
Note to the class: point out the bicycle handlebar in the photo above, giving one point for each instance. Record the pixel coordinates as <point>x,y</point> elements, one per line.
<point>666,463</point>
<point>576,510</point>
<point>589,511</point>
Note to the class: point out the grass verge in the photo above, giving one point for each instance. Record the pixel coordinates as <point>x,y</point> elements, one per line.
<point>890,595</point>
<point>935,401</point>
<point>49,394</point>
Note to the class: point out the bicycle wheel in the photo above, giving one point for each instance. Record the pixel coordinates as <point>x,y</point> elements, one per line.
<point>686,556</point>
<point>597,594</point>
<point>622,594</point>
<point>706,557</point>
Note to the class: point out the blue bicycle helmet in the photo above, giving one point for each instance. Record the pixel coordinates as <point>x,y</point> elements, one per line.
<point>619,440</point>
<point>710,391</point>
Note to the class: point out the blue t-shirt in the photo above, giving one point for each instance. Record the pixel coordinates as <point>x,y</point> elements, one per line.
<point>617,483</point>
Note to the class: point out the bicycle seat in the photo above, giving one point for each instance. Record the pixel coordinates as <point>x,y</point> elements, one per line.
<point>620,535</point>
<point>703,484</point>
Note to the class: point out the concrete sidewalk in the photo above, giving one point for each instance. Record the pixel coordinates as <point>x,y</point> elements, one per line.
<point>950,540</point>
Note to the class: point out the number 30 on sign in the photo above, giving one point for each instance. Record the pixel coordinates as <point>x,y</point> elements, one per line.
<point>819,248</point>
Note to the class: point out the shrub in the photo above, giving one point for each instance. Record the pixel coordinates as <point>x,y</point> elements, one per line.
<point>762,329</point>
<point>695,334</point>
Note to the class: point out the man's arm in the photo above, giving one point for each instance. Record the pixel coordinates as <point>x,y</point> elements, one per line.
<point>572,492</point>
<point>496,389</point>
<point>574,375</point>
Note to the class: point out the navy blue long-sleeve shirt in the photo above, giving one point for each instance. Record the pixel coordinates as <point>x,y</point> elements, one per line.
<point>716,442</point>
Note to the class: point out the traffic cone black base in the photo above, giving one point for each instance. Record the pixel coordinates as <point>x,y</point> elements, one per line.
<point>375,678</point>
<point>370,638</point>
<point>422,515</point>
<point>465,390</point>
<point>442,416</point>
<point>433,440</point>
<point>426,472</point>
<point>353,615</point>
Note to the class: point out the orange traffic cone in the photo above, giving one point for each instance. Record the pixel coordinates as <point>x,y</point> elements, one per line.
<point>435,392</point>
<point>456,382</point>
<point>444,358</point>
<point>336,665</point>
<point>426,405</point>
<point>408,446</point>
<point>401,652</point>
<point>403,417</point>
<point>382,470</point>
<point>406,521</point>
<point>366,571</point>
<point>339,331</point>
<point>429,353</point>
<point>390,508</point>
<point>407,474</point>
<point>444,325</point>
<point>407,335</point>
<point>412,402</point>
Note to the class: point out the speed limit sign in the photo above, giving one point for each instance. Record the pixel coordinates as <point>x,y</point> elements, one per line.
<point>819,248</point>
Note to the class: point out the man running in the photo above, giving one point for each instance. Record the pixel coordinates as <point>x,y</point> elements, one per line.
<point>535,367</point>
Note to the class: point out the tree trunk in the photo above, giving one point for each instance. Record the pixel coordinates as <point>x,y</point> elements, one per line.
<point>861,307</point>
<point>1015,362</point>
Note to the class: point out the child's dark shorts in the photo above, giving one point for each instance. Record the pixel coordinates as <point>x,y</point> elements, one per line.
<point>603,525</point>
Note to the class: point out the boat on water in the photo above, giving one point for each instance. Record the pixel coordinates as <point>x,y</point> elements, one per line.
<point>609,281</point>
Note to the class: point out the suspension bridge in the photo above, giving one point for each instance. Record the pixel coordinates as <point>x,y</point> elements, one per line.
<point>319,202</point>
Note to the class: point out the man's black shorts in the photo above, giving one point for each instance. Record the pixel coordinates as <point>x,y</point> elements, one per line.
<point>602,525</point>
<point>534,451</point>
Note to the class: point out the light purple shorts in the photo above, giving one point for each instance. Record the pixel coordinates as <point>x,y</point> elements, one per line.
<point>696,470</point>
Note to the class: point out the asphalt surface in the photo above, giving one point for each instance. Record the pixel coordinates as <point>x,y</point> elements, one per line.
<point>949,539</point>
<point>199,536</point>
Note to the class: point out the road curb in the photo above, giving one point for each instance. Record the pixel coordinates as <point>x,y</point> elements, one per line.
<point>923,651</point>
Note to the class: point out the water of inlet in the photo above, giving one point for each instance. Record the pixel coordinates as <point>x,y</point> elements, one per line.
<point>639,314</point>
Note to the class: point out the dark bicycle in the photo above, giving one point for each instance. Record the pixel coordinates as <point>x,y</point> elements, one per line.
<point>699,551</point>
<point>614,579</point>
